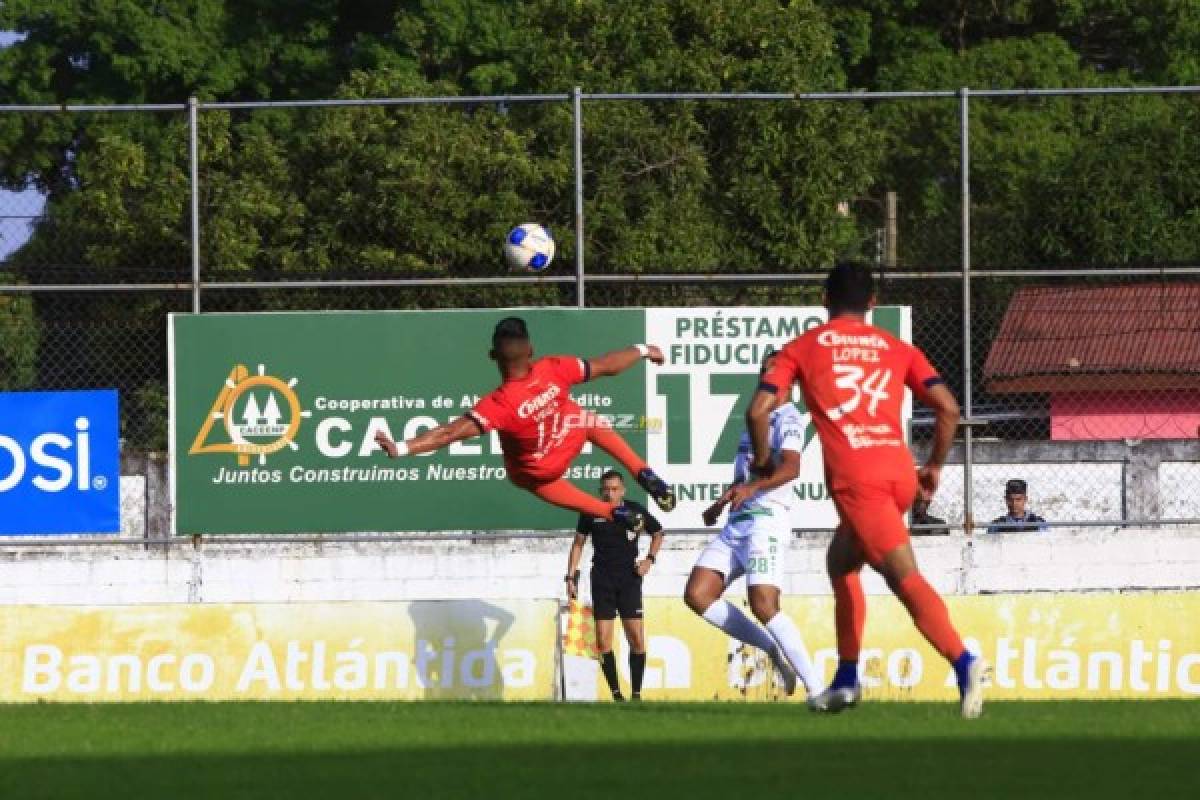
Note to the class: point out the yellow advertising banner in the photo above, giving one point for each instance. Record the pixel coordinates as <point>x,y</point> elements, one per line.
<point>1041,646</point>
<point>454,649</point>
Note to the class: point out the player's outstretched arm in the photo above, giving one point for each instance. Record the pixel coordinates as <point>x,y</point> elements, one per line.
<point>758,423</point>
<point>946,413</point>
<point>436,439</point>
<point>618,361</point>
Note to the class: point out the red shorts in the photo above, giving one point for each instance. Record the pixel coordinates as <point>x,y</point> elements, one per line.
<point>551,466</point>
<point>874,513</point>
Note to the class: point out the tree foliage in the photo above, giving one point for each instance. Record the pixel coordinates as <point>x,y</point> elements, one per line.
<point>430,190</point>
<point>1054,180</point>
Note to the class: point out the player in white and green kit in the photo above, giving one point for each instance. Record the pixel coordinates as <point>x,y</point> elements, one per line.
<point>753,543</point>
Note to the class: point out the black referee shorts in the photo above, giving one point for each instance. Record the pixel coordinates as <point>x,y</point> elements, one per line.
<point>614,594</point>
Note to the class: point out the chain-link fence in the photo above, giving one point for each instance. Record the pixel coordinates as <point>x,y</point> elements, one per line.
<point>1078,377</point>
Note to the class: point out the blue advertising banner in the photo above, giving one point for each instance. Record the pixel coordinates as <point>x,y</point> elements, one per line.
<point>59,463</point>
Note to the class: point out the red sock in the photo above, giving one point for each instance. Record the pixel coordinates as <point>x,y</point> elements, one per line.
<point>849,613</point>
<point>565,494</point>
<point>612,443</point>
<point>929,613</point>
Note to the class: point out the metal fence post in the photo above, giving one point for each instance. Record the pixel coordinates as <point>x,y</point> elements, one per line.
<point>964,121</point>
<point>577,102</point>
<point>194,165</point>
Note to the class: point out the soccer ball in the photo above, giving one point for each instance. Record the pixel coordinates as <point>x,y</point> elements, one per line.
<point>530,247</point>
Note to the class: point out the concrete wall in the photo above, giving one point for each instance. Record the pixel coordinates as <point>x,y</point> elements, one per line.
<point>1088,480</point>
<point>495,567</point>
<point>1068,481</point>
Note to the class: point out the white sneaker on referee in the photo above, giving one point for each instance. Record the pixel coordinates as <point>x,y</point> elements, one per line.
<point>971,702</point>
<point>785,670</point>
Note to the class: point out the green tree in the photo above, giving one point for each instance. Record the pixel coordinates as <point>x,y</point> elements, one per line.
<point>415,190</point>
<point>1153,41</point>
<point>1054,180</point>
<point>429,191</point>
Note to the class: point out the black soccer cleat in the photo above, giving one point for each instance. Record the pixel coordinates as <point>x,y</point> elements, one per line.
<point>618,697</point>
<point>636,697</point>
<point>657,488</point>
<point>630,519</point>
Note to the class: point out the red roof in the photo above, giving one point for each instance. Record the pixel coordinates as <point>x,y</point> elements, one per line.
<point>1055,339</point>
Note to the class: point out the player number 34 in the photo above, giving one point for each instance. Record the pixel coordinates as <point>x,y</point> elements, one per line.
<point>873,386</point>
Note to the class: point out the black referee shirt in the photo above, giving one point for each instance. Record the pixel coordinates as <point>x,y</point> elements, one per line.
<point>614,549</point>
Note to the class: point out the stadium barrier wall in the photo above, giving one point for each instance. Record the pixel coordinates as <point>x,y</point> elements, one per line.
<point>499,567</point>
<point>1062,601</point>
<point>1042,646</point>
<point>424,650</point>
<point>1056,612</point>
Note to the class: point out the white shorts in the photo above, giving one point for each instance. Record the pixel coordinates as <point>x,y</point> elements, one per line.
<point>750,545</point>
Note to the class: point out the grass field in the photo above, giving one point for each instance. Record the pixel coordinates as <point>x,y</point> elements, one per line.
<point>445,750</point>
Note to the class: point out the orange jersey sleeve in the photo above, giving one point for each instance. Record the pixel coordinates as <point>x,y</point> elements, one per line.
<point>921,376</point>
<point>785,371</point>
<point>569,370</point>
<point>490,414</point>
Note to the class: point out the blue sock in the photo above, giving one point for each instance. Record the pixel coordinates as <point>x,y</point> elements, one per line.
<point>846,676</point>
<point>960,668</point>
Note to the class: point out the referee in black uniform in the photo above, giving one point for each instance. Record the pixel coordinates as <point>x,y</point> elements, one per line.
<point>616,582</point>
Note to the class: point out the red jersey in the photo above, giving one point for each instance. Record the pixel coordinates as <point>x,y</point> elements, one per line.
<point>853,376</point>
<point>541,428</point>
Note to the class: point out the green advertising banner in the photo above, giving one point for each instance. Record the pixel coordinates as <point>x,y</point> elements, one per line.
<point>273,416</point>
<point>701,393</point>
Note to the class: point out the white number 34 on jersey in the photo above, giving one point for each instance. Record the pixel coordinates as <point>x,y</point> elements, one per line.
<point>873,386</point>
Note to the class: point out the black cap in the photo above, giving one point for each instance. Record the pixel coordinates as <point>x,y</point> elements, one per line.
<point>509,328</point>
<point>1015,486</point>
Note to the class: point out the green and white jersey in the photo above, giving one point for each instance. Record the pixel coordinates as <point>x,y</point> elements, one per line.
<point>786,433</point>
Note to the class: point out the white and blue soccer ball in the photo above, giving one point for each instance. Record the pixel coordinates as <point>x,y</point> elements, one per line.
<point>529,247</point>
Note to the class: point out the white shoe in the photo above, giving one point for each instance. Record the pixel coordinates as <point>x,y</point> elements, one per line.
<point>978,673</point>
<point>785,671</point>
<point>833,700</point>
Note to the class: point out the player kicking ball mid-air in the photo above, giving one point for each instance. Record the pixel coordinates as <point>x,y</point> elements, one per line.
<point>752,544</point>
<point>542,429</point>
<point>853,377</point>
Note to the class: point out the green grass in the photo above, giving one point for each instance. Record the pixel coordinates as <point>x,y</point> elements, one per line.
<point>1141,750</point>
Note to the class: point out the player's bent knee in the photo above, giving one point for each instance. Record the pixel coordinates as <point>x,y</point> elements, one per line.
<point>764,609</point>
<point>897,564</point>
<point>699,598</point>
<point>695,600</point>
<point>702,590</point>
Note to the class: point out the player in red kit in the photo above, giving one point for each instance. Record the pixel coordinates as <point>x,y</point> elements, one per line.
<point>853,376</point>
<point>542,429</point>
